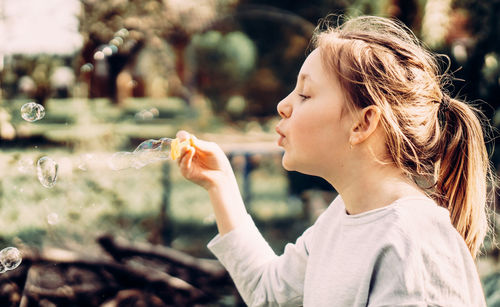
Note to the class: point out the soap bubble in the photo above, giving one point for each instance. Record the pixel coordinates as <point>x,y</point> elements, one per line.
<point>144,115</point>
<point>116,41</point>
<point>120,160</point>
<point>52,218</point>
<point>155,112</point>
<point>147,152</point>
<point>152,145</point>
<point>32,111</point>
<point>47,171</point>
<point>107,51</point>
<point>110,50</point>
<point>83,161</point>
<point>26,165</point>
<point>122,33</point>
<point>10,257</point>
<point>147,114</point>
<point>87,67</point>
<point>99,55</point>
<point>151,151</point>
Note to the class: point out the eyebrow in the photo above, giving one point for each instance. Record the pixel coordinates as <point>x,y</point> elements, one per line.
<point>302,77</point>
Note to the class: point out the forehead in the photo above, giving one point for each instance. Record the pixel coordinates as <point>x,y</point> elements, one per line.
<point>312,65</point>
<point>313,70</point>
<point>324,82</point>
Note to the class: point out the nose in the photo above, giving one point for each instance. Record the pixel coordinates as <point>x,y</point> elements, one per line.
<point>284,107</point>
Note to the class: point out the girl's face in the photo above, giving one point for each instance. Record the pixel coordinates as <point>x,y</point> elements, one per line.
<point>314,127</point>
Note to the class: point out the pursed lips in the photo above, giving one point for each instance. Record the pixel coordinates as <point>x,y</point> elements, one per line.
<point>282,136</point>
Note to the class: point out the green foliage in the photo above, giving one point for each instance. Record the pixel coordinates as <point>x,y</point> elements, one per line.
<point>221,63</point>
<point>95,200</point>
<point>89,198</point>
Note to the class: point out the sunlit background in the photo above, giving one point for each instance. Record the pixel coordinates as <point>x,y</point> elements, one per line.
<point>93,212</point>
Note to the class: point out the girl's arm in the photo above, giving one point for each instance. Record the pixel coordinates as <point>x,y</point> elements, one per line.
<point>206,164</point>
<point>262,278</point>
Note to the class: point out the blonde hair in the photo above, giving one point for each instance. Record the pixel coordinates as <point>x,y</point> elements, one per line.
<point>429,135</point>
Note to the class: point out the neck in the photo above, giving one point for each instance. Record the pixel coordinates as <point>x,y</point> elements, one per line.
<point>378,186</point>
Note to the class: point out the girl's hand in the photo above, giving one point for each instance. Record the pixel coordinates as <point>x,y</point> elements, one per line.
<point>204,163</point>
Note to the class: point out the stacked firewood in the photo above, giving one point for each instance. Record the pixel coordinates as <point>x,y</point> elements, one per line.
<point>124,275</point>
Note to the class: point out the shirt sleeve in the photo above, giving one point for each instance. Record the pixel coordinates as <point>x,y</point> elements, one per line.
<point>262,277</point>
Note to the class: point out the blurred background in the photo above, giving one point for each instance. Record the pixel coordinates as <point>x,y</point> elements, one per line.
<point>112,74</point>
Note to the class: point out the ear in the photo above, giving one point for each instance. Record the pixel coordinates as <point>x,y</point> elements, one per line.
<point>365,124</point>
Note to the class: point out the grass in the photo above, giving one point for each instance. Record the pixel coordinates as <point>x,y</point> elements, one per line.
<point>126,203</point>
<point>90,199</point>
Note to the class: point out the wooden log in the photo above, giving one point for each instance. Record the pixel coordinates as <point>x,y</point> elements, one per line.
<point>121,249</point>
<point>124,276</point>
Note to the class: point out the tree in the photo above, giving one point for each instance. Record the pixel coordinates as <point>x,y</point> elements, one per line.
<point>134,24</point>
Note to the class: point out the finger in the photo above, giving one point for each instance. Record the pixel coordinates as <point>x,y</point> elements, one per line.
<point>204,146</point>
<point>192,139</point>
<point>190,155</point>
<point>182,135</point>
<point>184,147</point>
<point>185,161</point>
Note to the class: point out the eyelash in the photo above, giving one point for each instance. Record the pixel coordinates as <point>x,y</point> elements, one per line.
<point>304,97</point>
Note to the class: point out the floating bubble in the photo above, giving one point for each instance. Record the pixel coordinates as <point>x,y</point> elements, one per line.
<point>155,112</point>
<point>144,115</point>
<point>155,145</point>
<point>122,33</point>
<point>107,50</point>
<point>120,160</point>
<point>84,160</point>
<point>147,152</point>
<point>87,67</point>
<point>10,257</point>
<point>99,55</point>
<point>151,151</point>
<point>116,41</point>
<point>110,49</point>
<point>26,165</point>
<point>47,171</point>
<point>52,218</point>
<point>32,111</point>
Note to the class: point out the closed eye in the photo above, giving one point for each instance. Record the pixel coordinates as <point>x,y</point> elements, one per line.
<point>304,97</point>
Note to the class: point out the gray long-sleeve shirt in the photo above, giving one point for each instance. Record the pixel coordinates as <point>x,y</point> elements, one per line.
<point>404,254</point>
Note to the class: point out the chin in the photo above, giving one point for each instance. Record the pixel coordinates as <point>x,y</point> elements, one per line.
<point>291,166</point>
<point>287,165</point>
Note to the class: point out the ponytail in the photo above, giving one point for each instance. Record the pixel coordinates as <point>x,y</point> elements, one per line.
<point>436,141</point>
<point>464,171</point>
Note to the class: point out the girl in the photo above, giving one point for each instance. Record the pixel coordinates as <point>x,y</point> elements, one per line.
<point>369,115</point>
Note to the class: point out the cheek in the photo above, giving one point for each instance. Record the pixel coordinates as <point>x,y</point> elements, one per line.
<point>320,137</point>
<point>311,129</point>
<point>305,133</point>
<point>310,138</point>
